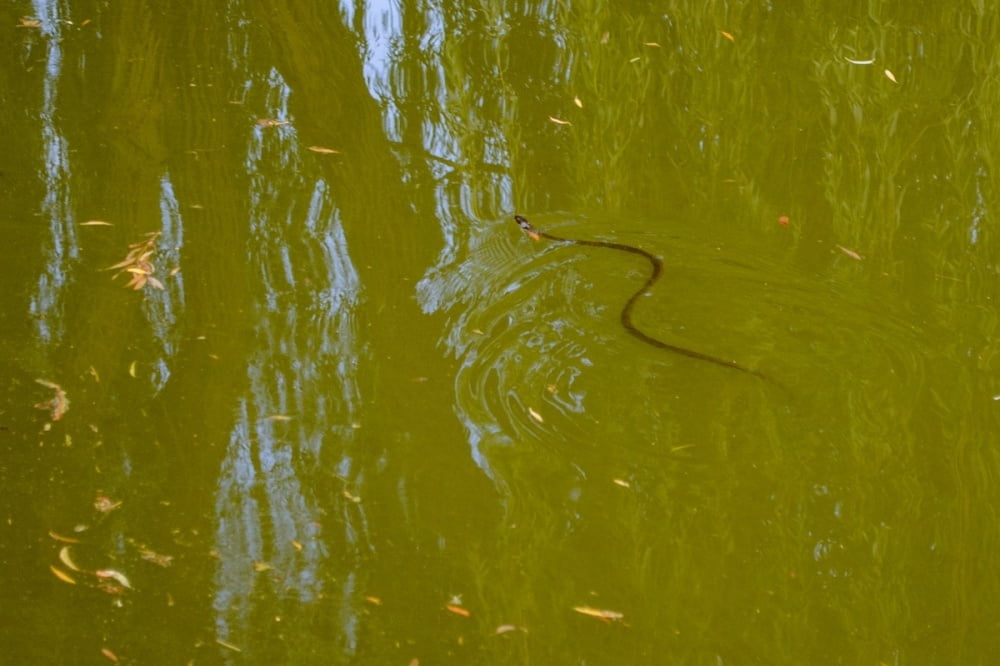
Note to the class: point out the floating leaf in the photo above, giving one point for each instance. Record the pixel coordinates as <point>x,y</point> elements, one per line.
<point>576,100</point>
<point>535,415</point>
<point>59,537</point>
<point>374,601</point>
<point>559,121</point>
<point>784,221</point>
<point>58,405</point>
<point>105,504</point>
<point>137,263</point>
<point>110,655</point>
<point>271,122</point>
<point>850,253</point>
<point>25,22</point>
<point>62,575</point>
<point>458,610</point>
<point>111,574</point>
<point>66,559</point>
<point>892,77</point>
<point>860,62</point>
<point>507,628</point>
<point>728,36</point>
<point>228,646</point>
<point>599,613</point>
<point>621,482</point>
<point>324,151</point>
<point>96,223</point>
<point>158,559</point>
<point>261,567</point>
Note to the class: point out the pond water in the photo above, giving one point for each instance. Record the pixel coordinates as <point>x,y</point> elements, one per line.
<point>283,381</point>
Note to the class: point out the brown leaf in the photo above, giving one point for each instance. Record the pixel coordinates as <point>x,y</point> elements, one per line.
<point>58,405</point>
<point>158,559</point>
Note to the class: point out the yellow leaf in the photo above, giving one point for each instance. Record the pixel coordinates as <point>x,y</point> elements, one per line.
<point>62,575</point>
<point>458,610</point>
<point>728,36</point>
<point>228,646</point>
<point>59,537</point>
<point>323,151</point>
<point>599,613</point>
<point>892,77</point>
<point>850,253</point>
<point>96,223</point>
<point>558,121</point>
<point>66,559</point>
<point>535,415</point>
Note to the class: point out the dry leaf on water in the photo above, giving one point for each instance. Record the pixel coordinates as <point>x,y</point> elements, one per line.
<point>458,610</point>
<point>599,613</point>
<point>137,263</point>
<point>58,405</point>
<point>849,252</point>
<point>62,575</point>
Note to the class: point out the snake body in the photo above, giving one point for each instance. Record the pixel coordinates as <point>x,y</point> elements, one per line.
<point>626,314</point>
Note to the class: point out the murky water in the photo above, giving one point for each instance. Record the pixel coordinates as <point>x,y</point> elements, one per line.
<point>332,406</point>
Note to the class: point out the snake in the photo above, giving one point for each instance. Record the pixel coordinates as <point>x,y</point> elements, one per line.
<point>656,264</point>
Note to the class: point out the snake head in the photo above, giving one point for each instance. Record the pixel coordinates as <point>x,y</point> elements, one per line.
<point>526,227</point>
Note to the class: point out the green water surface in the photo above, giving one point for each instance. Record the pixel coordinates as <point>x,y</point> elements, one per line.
<point>367,420</point>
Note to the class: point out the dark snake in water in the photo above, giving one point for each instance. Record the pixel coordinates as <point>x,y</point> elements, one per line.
<point>626,314</point>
